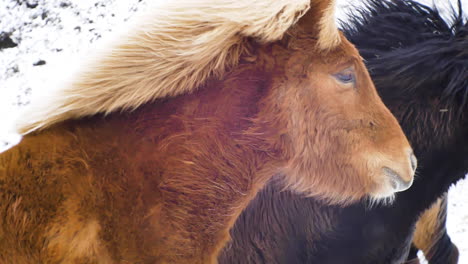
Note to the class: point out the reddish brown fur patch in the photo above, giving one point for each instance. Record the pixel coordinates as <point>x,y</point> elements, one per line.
<point>430,232</point>
<point>428,227</point>
<point>71,238</point>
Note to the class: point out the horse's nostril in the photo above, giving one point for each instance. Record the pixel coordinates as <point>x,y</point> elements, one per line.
<point>397,182</point>
<point>413,161</point>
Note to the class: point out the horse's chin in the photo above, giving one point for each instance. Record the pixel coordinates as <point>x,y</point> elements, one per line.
<point>384,196</point>
<point>374,201</point>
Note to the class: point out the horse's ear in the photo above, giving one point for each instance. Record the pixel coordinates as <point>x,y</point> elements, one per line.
<point>320,21</point>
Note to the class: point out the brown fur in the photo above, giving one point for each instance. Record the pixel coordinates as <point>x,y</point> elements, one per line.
<point>164,183</point>
<point>428,227</point>
<point>430,235</point>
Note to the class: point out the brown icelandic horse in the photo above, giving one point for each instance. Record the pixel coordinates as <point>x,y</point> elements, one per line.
<point>419,63</point>
<point>280,92</point>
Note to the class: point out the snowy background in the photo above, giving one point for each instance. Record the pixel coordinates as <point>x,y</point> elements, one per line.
<point>40,40</point>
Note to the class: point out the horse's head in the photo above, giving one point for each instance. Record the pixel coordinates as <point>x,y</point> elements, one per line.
<point>421,71</point>
<point>341,140</point>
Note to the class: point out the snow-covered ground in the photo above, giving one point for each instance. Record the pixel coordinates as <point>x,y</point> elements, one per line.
<point>48,37</point>
<point>458,218</point>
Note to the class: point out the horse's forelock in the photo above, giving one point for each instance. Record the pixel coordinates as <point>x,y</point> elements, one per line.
<point>319,22</point>
<point>329,36</point>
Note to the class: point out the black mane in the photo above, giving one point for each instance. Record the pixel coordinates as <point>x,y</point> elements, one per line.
<point>432,52</point>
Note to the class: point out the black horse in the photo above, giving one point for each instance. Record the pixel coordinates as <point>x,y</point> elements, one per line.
<point>419,63</point>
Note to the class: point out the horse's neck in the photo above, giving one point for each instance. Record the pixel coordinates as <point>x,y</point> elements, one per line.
<point>203,166</point>
<point>212,172</point>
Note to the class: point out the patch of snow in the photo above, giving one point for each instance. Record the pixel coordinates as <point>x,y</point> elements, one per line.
<point>457,222</point>
<point>50,35</point>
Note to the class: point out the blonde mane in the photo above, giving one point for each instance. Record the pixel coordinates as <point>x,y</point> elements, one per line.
<point>170,51</point>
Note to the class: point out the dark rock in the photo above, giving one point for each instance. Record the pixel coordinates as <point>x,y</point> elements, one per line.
<point>28,91</point>
<point>65,4</point>
<point>39,63</point>
<point>14,69</point>
<point>4,144</point>
<point>32,3</point>
<point>6,42</point>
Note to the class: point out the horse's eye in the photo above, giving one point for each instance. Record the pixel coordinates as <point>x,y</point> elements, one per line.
<point>345,77</point>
